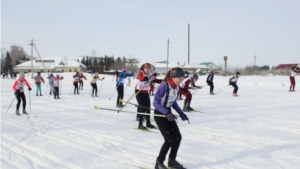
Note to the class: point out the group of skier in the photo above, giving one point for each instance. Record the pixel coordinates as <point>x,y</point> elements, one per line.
<point>176,83</point>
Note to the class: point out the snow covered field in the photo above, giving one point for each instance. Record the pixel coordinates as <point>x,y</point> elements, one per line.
<point>258,130</point>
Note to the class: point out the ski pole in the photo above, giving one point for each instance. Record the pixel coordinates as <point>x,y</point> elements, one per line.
<point>100,88</point>
<point>71,89</point>
<point>29,100</point>
<point>11,104</point>
<point>60,88</point>
<point>147,114</point>
<point>136,105</point>
<point>46,89</point>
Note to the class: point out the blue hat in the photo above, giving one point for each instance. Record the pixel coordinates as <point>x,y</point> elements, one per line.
<point>57,75</point>
<point>176,73</point>
<point>195,77</point>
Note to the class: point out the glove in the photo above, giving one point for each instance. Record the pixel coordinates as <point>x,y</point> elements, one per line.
<point>170,116</point>
<point>199,87</point>
<point>103,78</point>
<point>183,117</point>
<point>29,89</point>
<point>152,78</point>
<point>18,91</point>
<point>194,88</point>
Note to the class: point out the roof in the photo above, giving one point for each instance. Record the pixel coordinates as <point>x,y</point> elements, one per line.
<point>205,63</point>
<point>286,66</point>
<point>50,63</point>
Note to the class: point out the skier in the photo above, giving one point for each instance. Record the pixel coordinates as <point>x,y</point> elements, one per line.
<point>295,71</point>
<point>81,77</point>
<point>164,99</point>
<point>18,88</point>
<point>94,84</point>
<point>209,81</point>
<point>186,75</point>
<point>233,81</point>
<point>76,78</point>
<point>120,85</point>
<point>51,77</point>
<point>38,80</point>
<point>151,91</point>
<point>142,95</point>
<point>56,81</point>
<point>188,83</point>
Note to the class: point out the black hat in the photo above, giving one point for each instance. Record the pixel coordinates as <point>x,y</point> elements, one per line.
<point>238,73</point>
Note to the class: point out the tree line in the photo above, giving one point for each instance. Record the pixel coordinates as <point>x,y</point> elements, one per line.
<point>105,63</point>
<point>12,57</point>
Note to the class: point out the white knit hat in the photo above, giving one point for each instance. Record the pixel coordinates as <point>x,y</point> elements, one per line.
<point>21,74</point>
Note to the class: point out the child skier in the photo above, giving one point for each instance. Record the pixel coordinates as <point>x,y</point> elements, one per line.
<point>81,77</point>
<point>142,95</point>
<point>18,88</point>
<point>120,85</point>
<point>51,77</point>
<point>186,75</point>
<point>188,83</point>
<point>164,99</point>
<point>209,81</point>
<point>233,81</point>
<point>94,84</point>
<point>38,80</point>
<point>76,78</point>
<point>295,71</point>
<point>56,81</point>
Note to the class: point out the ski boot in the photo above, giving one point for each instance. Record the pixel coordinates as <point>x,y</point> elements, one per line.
<point>142,127</point>
<point>234,95</point>
<point>37,95</point>
<point>57,97</point>
<point>24,112</point>
<point>149,125</point>
<point>174,164</point>
<point>185,109</point>
<point>160,165</point>
<point>54,97</point>
<point>41,94</point>
<point>17,112</point>
<point>189,107</point>
<point>50,93</point>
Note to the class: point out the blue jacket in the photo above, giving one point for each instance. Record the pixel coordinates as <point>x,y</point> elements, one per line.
<point>51,79</point>
<point>122,77</point>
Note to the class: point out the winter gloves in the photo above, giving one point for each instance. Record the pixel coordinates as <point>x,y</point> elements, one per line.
<point>183,116</point>
<point>171,116</point>
<point>18,91</point>
<point>29,89</point>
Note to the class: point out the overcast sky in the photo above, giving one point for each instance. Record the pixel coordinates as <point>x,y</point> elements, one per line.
<point>140,28</point>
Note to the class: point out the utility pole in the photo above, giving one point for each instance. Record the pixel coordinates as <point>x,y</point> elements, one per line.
<point>168,57</point>
<point>255,59</point>
<point>31,44</point>
<point>225,59</point>
<point>189,44</point>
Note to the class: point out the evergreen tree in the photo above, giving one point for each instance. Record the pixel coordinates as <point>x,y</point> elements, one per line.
<point>8,65</point>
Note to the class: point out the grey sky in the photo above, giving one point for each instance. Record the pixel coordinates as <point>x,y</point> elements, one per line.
<point>140,28</point>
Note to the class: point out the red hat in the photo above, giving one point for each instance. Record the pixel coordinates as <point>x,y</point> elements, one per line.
<point>124,68</point>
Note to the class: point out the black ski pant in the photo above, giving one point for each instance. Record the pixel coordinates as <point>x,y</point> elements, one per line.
<point>143,100</point>
<point>95,88</point>
<point>211,84</point>
<point>56,91</point>
<point>76,87</point>
<point>120,90</point>
<point>80,84</point>
<point>235,87</point>
<point>19,97</point>
<point>171,134</point>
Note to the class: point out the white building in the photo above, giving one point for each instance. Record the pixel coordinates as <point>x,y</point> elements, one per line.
<point>51,65</point>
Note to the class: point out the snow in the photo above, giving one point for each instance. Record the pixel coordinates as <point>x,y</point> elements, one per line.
<point>259,129</point>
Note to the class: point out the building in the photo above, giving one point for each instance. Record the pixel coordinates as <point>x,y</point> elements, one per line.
<point>51,65</point>
<point>193,69</point>
<point>210,66</point>
<point>287,66</point>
